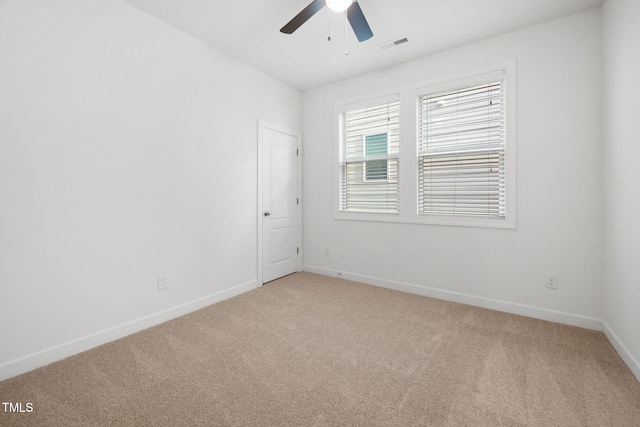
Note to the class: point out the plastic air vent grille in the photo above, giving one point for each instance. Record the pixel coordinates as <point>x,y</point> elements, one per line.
<point>393,43</point>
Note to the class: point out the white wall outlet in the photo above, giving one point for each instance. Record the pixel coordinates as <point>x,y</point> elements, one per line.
<point>326,250</point>
<point>551,281</point>
<point>163,282</point>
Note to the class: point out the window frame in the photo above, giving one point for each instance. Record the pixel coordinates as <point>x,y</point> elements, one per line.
<point>408,97</point>
<point>472,151</point>
<point>344,108</point>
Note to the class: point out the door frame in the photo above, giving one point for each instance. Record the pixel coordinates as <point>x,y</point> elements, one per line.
<point>262,125</point>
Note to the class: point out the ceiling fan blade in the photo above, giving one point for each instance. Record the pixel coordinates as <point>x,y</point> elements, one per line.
<point>358,22</point>
<point>302,17</point>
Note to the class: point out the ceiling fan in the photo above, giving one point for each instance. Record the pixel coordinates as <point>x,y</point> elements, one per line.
<point>354,15</point>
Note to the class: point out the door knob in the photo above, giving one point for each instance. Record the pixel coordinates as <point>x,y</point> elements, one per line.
<point>267,214</point>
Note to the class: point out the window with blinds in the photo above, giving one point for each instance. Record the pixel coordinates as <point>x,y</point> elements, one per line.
<point>369,159</point>
<point>461,153</point>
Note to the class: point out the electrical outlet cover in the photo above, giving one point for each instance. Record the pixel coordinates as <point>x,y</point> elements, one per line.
<point>551,281</point>
<point>163,282</point>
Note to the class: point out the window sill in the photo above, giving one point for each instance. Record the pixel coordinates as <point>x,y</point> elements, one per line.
<point>427,220</point>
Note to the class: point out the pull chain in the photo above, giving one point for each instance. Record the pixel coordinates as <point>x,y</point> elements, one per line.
<point>346,34</point>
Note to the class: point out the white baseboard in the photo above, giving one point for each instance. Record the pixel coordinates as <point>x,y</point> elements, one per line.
<point>622,350</point>
<point>505,306</point>
<point>64,350</point>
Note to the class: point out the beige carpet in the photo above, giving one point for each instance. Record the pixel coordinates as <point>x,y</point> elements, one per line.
<point>309,350</point>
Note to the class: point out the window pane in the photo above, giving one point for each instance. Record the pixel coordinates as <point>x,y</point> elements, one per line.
<point>371,121</point>
<point>377,195</point>
<point>468,118</point>
<point>375,145</point>
<point>376,170</point>
<point>464,184</point>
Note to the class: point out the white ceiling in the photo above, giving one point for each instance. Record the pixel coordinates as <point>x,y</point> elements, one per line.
<point>249,30</point>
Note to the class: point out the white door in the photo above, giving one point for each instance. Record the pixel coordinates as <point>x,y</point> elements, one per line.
<point>280,203</point>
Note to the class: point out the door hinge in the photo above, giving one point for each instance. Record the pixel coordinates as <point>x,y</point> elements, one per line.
<point>297,152</point>
<point>297,250</point>
<point>297,201</point>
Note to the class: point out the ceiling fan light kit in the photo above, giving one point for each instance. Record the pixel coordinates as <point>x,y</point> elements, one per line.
<point>351,7</point>
<point>338,5</point>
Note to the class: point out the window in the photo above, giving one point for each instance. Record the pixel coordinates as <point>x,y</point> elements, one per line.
<point>458,153</point>
<point>461,162</point>
<point>369,159</point>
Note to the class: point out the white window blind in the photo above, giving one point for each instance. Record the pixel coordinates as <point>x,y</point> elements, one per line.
<point>369,159</point>
<point>461,160</point>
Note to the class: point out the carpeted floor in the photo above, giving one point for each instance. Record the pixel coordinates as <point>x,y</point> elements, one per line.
<point>310,350</point>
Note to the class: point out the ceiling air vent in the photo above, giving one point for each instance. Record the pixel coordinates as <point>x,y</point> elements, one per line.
<point>393,43</point>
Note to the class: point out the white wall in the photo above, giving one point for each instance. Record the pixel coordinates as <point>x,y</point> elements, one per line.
<point>127,150</point>
<point>559,192</point>
<point>621,30</point>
